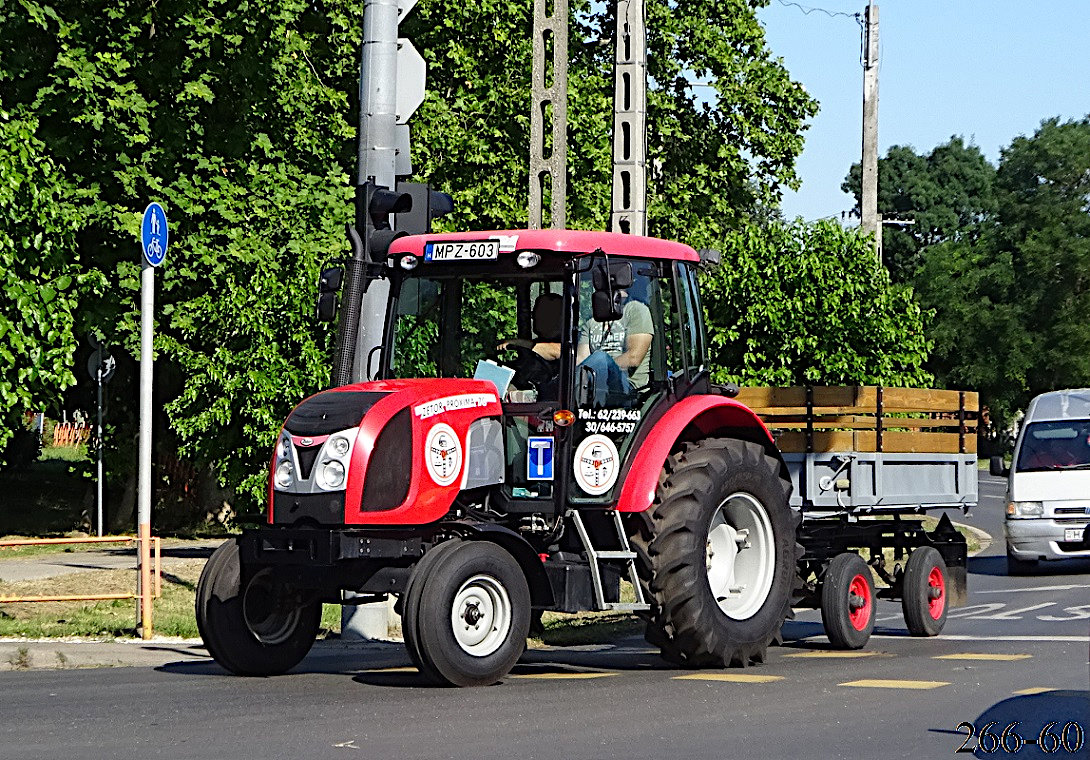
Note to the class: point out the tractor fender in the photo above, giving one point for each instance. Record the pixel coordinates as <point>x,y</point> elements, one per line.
<point>541,592</point>
<point>691,419</point>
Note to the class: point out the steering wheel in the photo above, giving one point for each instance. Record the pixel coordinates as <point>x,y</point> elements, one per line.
<point>532,370</point>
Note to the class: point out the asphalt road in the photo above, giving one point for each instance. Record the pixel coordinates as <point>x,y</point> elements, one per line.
<point>1018,652</point>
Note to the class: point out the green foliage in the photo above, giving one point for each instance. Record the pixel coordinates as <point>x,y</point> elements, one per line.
<point>1011,304</point>
<point>797,303</point>
<point>948,194</point>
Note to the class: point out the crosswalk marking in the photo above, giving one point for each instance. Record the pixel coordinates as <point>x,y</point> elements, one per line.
<point>890,683</point>
<point>730,677</point>
<point>982,656</point>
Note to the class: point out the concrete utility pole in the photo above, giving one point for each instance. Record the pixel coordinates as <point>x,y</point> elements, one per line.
<point>630,120</point>
<point>868,207</point>
<point>549,90</point>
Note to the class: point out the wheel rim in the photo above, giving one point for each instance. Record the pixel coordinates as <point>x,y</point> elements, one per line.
<point>481,616</point>
<point>936,593</point>
<point>740,556</point>
<point>270,610</point>
<point>859,603</point>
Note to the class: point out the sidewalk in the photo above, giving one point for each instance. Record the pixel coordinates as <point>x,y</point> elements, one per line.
<point>111,558</point>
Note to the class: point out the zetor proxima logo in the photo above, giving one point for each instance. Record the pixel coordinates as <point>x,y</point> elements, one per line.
<point>453,403</point>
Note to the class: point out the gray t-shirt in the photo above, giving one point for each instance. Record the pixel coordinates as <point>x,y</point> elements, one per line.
<point>612,337</point>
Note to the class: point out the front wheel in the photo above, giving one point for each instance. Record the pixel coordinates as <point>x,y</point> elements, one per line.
<point>847,601</point>
<point>923,597</point>
<point>471,614</point>
<point>722,554</point>
<point>260,627</point>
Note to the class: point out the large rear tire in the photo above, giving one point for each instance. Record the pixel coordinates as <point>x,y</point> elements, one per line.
<point>848,601</point>
<point>472,615</point>
<point>265,628</point>
<point>721,558</point>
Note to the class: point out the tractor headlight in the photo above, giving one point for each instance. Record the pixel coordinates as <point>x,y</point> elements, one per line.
<point>1018,509</point>
<point>285,474</point>
<point>339,445</point>
<point>332,474</point>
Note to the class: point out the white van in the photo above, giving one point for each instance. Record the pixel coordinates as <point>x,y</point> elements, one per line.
<point>1048,489</point>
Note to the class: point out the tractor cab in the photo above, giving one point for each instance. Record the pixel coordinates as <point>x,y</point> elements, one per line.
<point>585,335</point>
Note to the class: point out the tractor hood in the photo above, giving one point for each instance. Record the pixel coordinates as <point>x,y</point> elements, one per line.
<point>391,452</point>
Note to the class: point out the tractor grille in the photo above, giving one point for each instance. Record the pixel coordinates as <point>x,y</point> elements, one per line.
<point>308,508</point>
<point>389,471</point>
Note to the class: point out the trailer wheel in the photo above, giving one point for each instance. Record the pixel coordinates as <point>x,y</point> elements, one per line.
<point>848,601</point>
<point>473,614</point>
<point>410,612</point>
<point>722,556</point>
<point>262,628</point>
<point>923,597</point>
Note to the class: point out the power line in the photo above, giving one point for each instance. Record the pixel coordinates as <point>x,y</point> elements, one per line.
<point>808,10</point>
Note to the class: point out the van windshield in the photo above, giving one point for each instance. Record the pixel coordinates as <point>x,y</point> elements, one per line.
<point>1061,445</point>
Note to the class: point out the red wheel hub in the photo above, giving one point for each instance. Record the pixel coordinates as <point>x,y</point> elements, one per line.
<point>936,593</point>
<point>859,608</point>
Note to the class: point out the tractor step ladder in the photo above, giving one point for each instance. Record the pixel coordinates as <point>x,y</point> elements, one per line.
<point>595,556</point>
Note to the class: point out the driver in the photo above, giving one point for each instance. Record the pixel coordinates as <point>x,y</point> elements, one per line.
<point>618,352</point>
<point>548,321</point>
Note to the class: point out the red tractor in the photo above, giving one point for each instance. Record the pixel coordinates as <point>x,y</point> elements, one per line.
<point>560,433</point>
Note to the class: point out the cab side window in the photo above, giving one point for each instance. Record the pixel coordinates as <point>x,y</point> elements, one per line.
<point>692,320</point>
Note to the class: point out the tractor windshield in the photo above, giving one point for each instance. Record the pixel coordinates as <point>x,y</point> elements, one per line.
<point>503,324</point>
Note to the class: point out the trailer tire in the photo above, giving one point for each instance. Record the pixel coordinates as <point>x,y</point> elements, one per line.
<point>723,554</point>
<point>923,597</point>
<point>263,629</point>
<point>848,601</point>
<point>473,614</point>
<point>410,613</point>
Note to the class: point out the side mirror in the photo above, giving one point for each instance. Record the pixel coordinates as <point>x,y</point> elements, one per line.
<point>586,390</point>
<point>329,283</point>
<point>709,258</point>
<point>997,468</point>
<point>608,283</point>
<point>604,308</point>
<point>620,275</point>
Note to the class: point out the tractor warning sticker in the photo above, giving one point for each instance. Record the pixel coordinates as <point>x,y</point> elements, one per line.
<point>443,454</point>
<point>453,403</point>
<point>596,464</point>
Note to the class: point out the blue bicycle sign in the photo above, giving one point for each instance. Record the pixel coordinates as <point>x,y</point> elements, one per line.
<point>153,234</point>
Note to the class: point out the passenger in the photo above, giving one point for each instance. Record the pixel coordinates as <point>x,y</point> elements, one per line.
<point>619,352</point>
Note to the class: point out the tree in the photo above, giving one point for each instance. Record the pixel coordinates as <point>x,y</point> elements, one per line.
<point>1011,304</point>
<point>799,303</point>
<point>948,194</point>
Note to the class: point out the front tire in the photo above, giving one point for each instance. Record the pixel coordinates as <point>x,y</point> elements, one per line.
<point>472,615</point>
<point>848,601</point>
<point>262,628</point>
<point>722,555</point>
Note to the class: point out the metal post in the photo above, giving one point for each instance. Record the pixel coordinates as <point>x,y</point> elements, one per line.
<point>630,120</point>
<point>98,445</point>
<point>550,57</point>
<point>147,307</point>
<point>868,207</point>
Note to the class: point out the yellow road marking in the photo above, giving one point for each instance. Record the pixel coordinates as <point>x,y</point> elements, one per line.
<point>1034,690</point>
<point>408,669</point>
<point>561,676</point>
<point>835,654</point>
<point>890,683</point>
<point>983,656</point>
<point>732,677</point>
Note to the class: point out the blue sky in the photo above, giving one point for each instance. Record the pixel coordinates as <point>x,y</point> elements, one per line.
<point>988,71</point>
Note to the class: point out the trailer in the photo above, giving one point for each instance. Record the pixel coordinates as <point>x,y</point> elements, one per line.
<point>863,461</point>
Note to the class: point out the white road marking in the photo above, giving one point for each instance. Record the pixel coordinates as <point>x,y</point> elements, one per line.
<point>1036,588</point>
<point>961,637</point>
<point>1014,614</point>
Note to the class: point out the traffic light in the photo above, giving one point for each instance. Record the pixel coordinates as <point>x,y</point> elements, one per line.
<point>380,202</point>
<point>428,204</point>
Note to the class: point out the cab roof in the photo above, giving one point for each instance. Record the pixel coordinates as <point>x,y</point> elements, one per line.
<point>1060,405</point>
<point>572,242</point>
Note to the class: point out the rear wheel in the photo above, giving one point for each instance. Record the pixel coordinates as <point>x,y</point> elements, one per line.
<point>923,597</point>
<point>262,627</point>
<point>722,555</point>
<point>848,601</point>
<point>473,614</point>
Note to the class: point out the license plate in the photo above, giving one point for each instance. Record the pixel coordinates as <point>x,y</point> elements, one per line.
<point>467,250</point>
<point>1073,534</point>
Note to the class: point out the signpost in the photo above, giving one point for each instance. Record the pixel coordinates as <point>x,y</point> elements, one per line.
<point>100,367</point>
<point>153,245</point>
